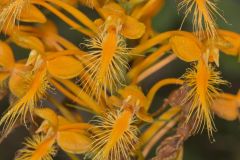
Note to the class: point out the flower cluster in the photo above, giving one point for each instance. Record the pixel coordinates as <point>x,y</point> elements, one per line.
<point>102,76</point>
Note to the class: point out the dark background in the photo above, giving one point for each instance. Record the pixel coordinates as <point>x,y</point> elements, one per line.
<point>227,145</point>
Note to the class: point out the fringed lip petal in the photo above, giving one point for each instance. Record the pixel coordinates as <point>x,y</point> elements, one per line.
<point>204,12</point>
<point>203,80</point>
<point>115,136</point>
<point>38,147</point>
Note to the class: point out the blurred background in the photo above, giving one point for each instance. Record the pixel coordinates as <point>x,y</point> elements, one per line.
<point>227,145</point>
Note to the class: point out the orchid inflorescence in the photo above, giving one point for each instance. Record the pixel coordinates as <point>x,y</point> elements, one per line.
<point>103,74</point>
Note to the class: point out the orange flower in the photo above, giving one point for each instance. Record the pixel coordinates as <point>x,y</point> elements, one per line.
<point>203,16</point>
<point>115,136</point>
<point>71,137</point>
<point>203,80</point>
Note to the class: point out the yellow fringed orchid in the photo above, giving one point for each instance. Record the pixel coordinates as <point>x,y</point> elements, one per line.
<point>37,148</point>
<point>71,137</point>
<point>10,12</point>
<point>203,16</point>
<point>129,27</point>
<point>105,76</point>
<point>106,65</point>
<point>115,135</point>
<point>36,83</point>
<point>132,95</point>
<point>203,80</point>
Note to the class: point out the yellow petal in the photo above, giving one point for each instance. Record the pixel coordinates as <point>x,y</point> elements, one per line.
<point>64,67</point>
<point>132,29</point>
<point>17,82</point>
<point>6,56</point>
<point>136,95</point>
<point>112,9</point>
<point>27,41</point>
<point>73,142</point>
<point>32,14</point>
<point>230,42</point>
<point>226,108</point>
<point>185,48</point>
<point>47,114</point>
